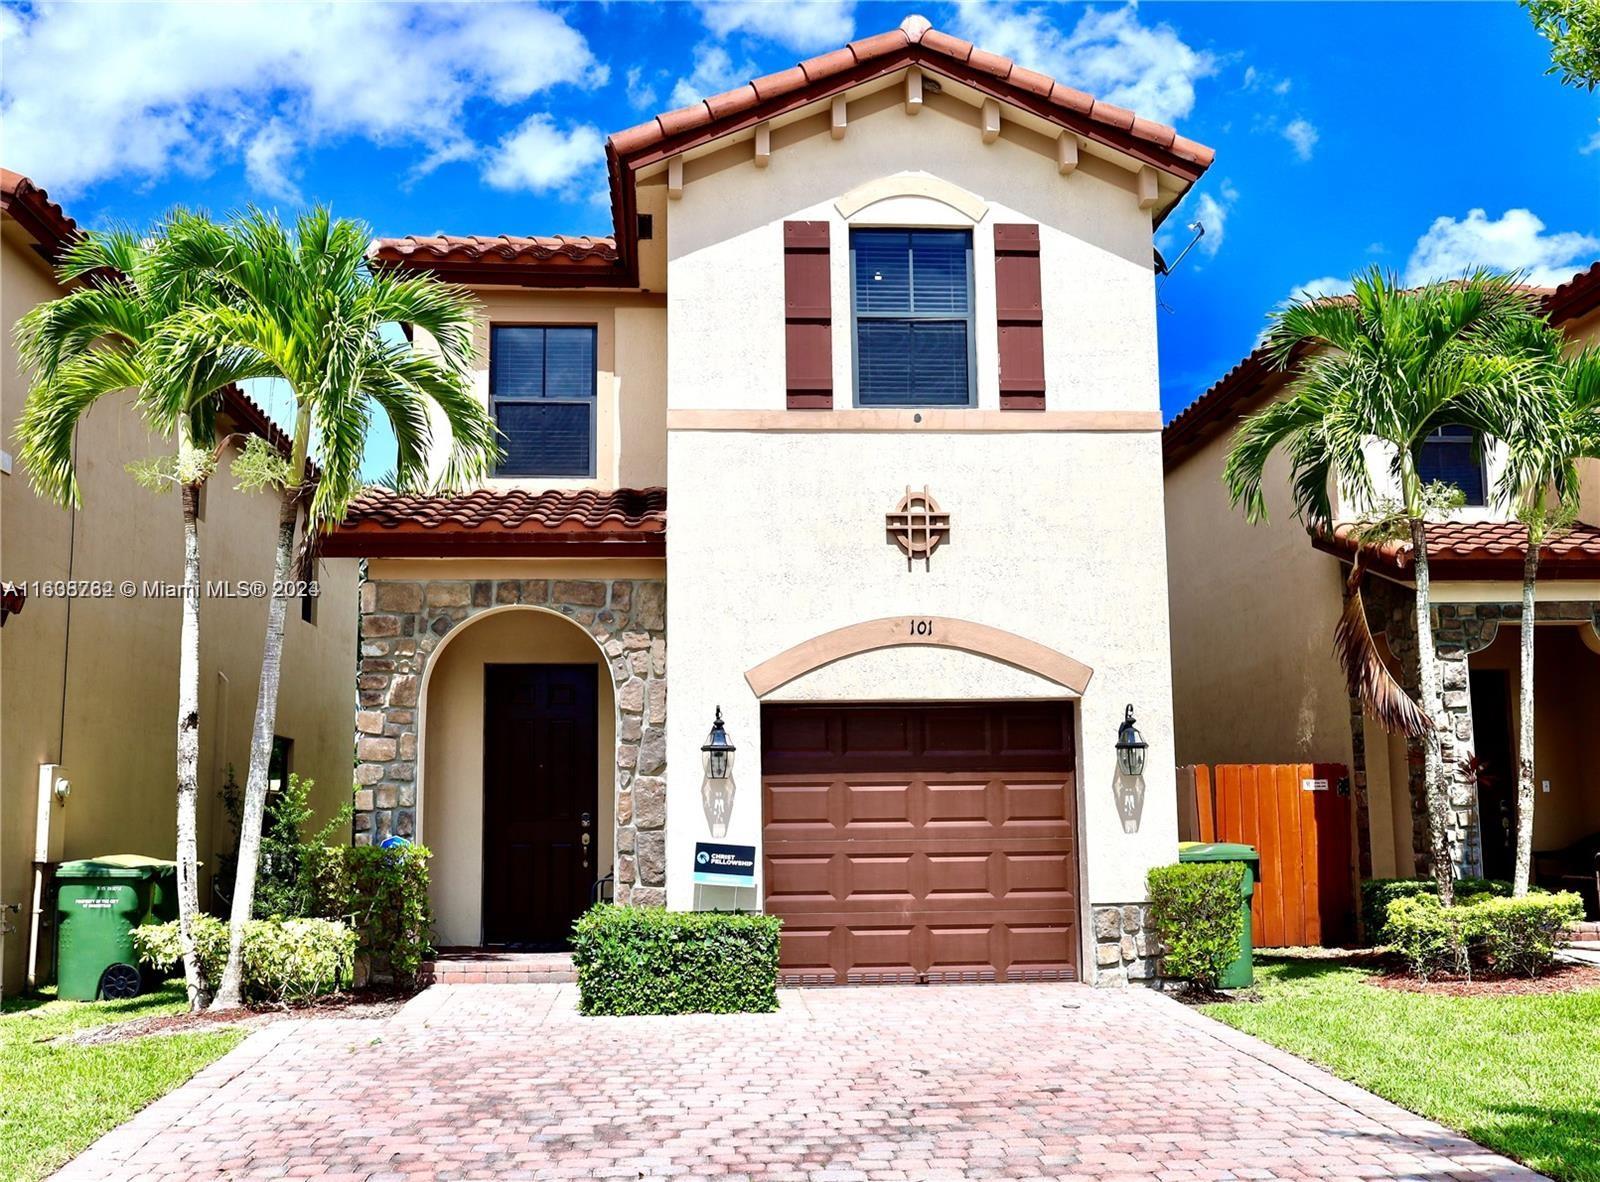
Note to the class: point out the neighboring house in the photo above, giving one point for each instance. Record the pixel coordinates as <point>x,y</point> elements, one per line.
<point>885,323</point>
<point>90,682</point>
<point>1254,609</point>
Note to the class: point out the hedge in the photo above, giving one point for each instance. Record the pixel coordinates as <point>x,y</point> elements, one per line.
<point>1378,893</point>
<point>1195,912</point>
<point>285,960</point>
<point>635,960</point>
<point>1488,933</point>
<point>383,895</point>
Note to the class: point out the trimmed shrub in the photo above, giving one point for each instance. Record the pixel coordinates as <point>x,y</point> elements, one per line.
<point>286,961</point>
<point>1194,909</point>
<point>383,895</point>
<point>646,960</point>
<point>1378,893</point>
<point>1483,933</point>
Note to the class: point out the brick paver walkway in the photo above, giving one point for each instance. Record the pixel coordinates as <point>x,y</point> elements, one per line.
<point>999,1081</point>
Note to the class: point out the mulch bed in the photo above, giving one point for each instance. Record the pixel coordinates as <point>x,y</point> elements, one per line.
<point>349,1005</point>
<point>1563,978</point>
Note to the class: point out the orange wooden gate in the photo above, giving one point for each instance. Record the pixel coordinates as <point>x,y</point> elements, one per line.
<point>1298,816</point>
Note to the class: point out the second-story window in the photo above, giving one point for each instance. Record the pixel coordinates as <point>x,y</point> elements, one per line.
<point>912,292</point>
<point>542,394</point>
<point>1454,455</point>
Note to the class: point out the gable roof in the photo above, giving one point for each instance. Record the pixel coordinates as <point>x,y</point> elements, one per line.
<point>535,261</point>
<point>1221,405</point>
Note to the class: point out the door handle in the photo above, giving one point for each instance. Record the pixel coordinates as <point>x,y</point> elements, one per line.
<point>585,820</point>
<point>585,840</point>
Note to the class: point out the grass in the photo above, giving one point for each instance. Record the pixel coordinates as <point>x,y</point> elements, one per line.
<point>58,1099</point>
<point>1518,1074</point>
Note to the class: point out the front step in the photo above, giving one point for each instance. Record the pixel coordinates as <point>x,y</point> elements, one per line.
<point>488,966</point>
<point>1584,934</point>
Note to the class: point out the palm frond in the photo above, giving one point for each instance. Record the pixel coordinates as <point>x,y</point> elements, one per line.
<point>1366,675</point>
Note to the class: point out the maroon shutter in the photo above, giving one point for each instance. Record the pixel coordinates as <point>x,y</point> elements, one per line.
<point>808,316</point>
<point>1019,308</point>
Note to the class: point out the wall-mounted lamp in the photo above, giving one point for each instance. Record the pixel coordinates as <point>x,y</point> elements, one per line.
<point>1131,746</point>
<point>716,790</point>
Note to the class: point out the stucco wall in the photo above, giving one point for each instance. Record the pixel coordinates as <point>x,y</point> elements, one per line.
<point>1253,613</point>
<point>450,816</point>
<point>114,723</point>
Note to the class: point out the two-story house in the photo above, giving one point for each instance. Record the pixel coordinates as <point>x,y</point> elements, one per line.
<point>1254,609</point>
<point>885,324</point>
<point>89,665</point>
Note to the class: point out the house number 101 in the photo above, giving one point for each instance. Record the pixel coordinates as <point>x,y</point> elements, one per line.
<point>922,627</point>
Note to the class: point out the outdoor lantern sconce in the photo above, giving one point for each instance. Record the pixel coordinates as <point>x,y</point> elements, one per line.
<point>716,790</point>
<point>1131,746</point>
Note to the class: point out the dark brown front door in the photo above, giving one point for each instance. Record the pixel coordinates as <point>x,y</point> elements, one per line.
<point>540,798</point>
<point>921,843</point>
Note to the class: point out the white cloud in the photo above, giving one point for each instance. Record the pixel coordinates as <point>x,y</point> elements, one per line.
<point>1311,289</point>
<point>1592,146</point>
<point>268,163</point>
<point>1303,136</point>
<point>93,91</point>
<point>1110,54</point>
<point>1517,241</point>
<point>803,27</point>
<point>641,94</point>
<point>541,158</point>
<point>1255,79</point>
<point>1211,211</point>
<point>714,72</point>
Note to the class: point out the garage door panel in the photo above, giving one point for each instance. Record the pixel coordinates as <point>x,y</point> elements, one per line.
<point>924,843</point>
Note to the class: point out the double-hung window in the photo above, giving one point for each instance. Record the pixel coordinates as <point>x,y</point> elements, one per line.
<point>542,393</point>
<point>1454,455</point>
<point>912,294</point>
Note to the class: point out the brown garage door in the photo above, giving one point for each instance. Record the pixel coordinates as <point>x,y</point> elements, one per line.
<point>921,843</point>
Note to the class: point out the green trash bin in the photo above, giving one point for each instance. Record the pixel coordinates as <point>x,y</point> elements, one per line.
<point>163,882</point>
<point>98,904</point>
<point>1241,973</point>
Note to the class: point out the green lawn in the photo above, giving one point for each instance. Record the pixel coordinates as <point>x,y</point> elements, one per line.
<point>1518,1074</point>
<point>59,1099</point>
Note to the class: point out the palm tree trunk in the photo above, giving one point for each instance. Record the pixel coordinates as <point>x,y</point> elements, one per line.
<point>1525,795</point>
<point>1437,795</point>
<point>189,750</point>
<point>230,991</point>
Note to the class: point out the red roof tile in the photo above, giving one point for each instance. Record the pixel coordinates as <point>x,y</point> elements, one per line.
<point>32,208</point>
<point>1576,297</point>
<point>1478,550</point>
<point>501,521</point>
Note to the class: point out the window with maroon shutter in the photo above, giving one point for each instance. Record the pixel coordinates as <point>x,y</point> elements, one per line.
<point>808,316</point>
<point>1019,308</point>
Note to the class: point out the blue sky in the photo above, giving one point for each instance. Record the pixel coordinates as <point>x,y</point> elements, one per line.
<point>1422,137</point>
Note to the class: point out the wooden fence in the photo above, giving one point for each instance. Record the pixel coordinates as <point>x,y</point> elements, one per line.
<point>1298,815</point>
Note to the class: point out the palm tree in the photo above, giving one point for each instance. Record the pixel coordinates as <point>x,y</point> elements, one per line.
<point>1544,437</point>
<point>303,306</point>
<point>101,338</point>
<point>1388,365</point>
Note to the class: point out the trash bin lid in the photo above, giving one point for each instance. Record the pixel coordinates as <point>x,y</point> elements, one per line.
<point>132,861</point>
<point>102,868</point>
<point>1217,851</point>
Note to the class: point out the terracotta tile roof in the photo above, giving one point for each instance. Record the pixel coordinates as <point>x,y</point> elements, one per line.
<point>1221,405</point>
<point>1478,550</point>
<point>915,42</point>
<point>556,261</point>
<point>32,208</point>
<point>500,521</point>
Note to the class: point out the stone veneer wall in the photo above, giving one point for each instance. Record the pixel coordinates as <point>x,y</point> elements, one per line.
<point>1124,949</point>
<point>404,621</point>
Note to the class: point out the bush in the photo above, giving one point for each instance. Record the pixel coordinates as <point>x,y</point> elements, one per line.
<point>1194,909</point>
<point>651,961</point>
<point>383,895</point>
<point>283,887</point>
<point>1378,893</point>
<point>1485,933</point>
<point>285,960</point>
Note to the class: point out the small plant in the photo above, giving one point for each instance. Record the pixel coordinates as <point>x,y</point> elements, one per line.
<point>286,961</point>
<point>1378,893</point>
<point>651,961</point>
<point>383,895</point>
<point>1483,933</point>
<point>1194,909</point>
<point>282,885</point>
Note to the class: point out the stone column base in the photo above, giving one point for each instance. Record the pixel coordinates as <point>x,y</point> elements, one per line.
<point>1124,949</point>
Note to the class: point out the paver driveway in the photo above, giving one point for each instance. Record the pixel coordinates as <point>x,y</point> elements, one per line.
<point>1008,1081</point>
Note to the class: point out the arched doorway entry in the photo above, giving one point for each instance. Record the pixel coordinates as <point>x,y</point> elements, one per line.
<point>517,793</point>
